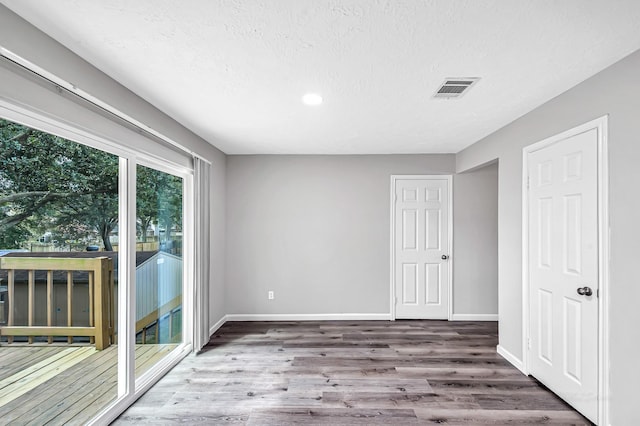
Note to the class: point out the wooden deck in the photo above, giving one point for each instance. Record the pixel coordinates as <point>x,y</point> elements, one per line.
<point>350,372</point>
<point>62,384</point>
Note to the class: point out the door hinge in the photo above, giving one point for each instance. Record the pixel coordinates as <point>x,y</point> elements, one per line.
<point>528,342</point>
<point>396,299</point>
<point>597,292</point>
<point>528,179</point>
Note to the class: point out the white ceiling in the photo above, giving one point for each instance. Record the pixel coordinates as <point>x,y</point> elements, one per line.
<point>234,71</point>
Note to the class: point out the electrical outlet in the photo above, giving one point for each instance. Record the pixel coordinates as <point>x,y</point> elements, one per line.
<point>270,295</point>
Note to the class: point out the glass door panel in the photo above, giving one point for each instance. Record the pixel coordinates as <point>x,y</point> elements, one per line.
<point>58,277</point>
<point>159,266</point>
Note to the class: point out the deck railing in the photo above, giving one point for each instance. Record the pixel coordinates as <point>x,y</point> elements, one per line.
<point>100,272</point>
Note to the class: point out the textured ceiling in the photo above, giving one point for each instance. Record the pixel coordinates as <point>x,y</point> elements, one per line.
<point>234,71</point>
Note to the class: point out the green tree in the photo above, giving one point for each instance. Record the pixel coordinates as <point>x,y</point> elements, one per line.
<point>48,179</point>
<point>50,184</point>
<point>146,199</point>
<point>159,200</point>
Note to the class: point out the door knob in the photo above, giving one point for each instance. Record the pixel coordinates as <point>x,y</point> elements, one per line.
<point>444,257</point>
<point>585,291</point>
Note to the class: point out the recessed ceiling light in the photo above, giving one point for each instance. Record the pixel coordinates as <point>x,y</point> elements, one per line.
<point>312,99</point>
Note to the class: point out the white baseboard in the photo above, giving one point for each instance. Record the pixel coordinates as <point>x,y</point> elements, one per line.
<point>217,325</point>
<point>517,363</point>
<point>308,317</point>
<point>474,317</point>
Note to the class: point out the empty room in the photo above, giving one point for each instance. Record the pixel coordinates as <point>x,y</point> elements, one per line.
<point>319,212</point>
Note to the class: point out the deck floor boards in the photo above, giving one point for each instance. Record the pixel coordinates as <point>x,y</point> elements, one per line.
<point>16,359</point>
<point>350,372</point>
<point>33,376</point>
<point>65,393</point>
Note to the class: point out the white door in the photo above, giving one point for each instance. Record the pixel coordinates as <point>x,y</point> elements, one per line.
<point>421,247</point>
<point>563,269</point>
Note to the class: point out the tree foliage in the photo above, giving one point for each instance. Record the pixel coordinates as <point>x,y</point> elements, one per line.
<point>48,182</point>
<point>158,201</point>
<point>52,185</point>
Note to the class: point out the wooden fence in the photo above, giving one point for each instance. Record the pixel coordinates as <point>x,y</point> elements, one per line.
<point>100,273</point>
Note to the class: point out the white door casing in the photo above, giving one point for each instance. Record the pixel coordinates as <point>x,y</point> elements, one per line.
<point>420,238</point>
<point>563,268</point>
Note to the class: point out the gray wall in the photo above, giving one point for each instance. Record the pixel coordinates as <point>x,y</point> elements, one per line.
<point>315,229</point>
<point>24,40</point>
<point>616,92</point>
<point>475,242</point>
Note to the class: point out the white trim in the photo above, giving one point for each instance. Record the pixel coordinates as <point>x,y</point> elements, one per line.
<point>525,261</point>
<point>451,260</point>
<point>188,259</point>
<point>603,270</point>
<point>160,164</point>
<point>215,327</point>
<point>392,254</point>
<point>601,125</point>
<point>308,317</point>
<point>126,277</point>
<point>10,110</point>
<point>474,317</point>
<point>392,248</point>
<point>513,360</point>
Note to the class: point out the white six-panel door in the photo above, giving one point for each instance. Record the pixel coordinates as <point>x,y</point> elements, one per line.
<point>563,269</point>
<point>421,270</point>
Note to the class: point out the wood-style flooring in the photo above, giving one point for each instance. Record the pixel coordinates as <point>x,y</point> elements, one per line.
<point>350,373</point>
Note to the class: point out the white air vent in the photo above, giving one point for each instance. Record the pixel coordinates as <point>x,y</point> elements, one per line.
<point>455,87</point>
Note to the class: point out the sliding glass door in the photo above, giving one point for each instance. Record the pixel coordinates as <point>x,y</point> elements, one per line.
<point>95,271</point>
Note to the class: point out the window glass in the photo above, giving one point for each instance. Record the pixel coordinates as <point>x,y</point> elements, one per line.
<point>58,277</point>
<point>159,265</point>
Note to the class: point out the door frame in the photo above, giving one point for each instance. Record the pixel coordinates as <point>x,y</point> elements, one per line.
<point>601,125</point>
<point>392,233</point>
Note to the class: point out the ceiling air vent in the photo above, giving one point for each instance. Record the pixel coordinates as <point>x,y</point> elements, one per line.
<point>455,87</point>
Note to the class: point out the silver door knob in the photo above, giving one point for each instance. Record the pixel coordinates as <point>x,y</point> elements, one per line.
<point>585,291</point>
<point>444,257</point>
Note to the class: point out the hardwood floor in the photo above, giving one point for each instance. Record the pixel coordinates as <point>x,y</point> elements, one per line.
<point>348,373</point>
